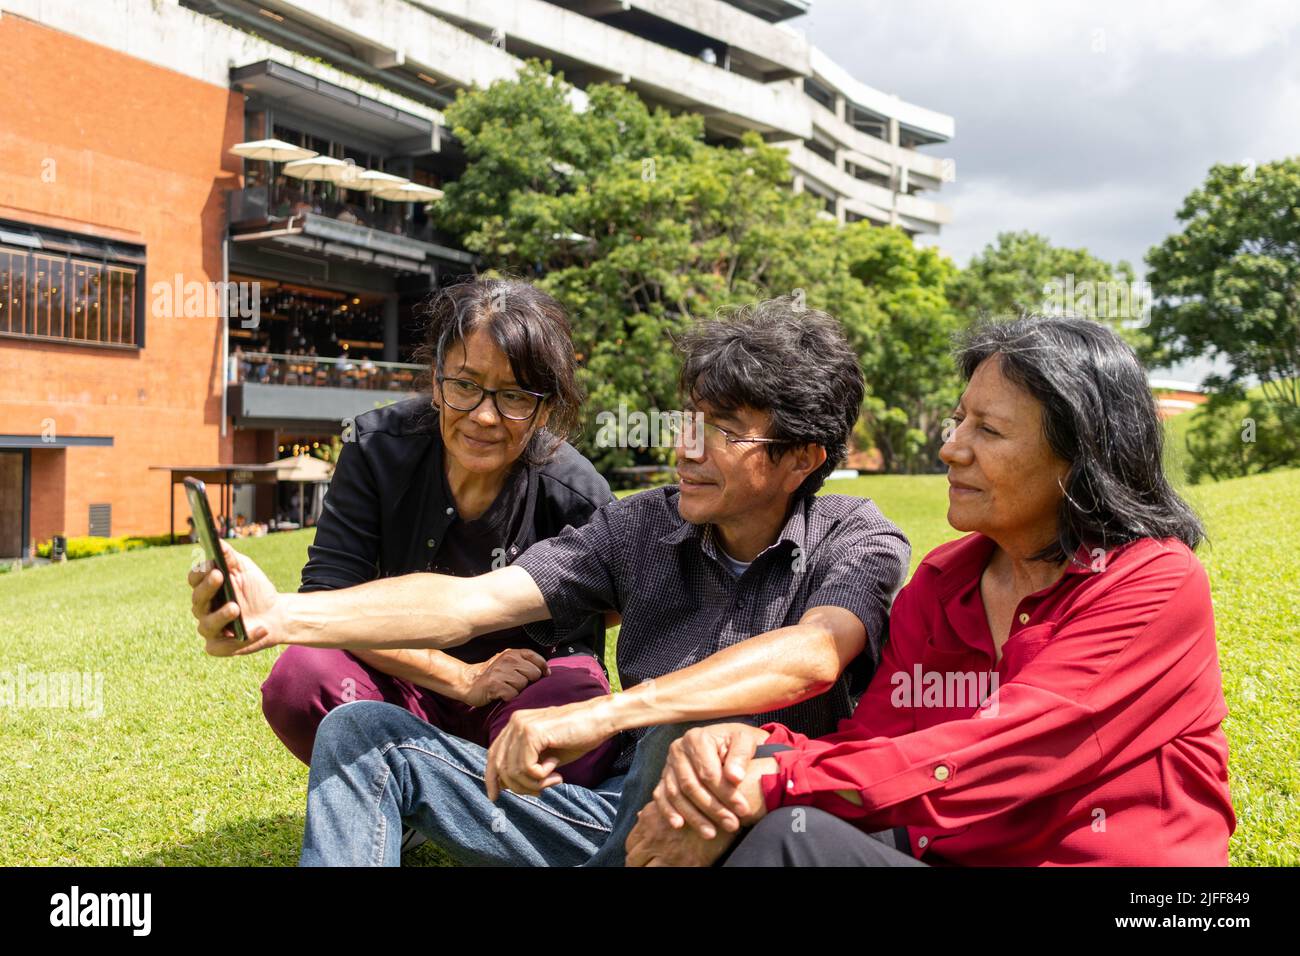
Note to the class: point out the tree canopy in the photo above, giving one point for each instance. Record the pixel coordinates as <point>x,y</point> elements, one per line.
<point>1228,284</point>
<point>1022,272</point>
<point>638,225</point>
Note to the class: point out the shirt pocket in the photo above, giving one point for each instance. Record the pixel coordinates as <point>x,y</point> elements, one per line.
<point>1022,647</point>
<point>953,682</point>
<point>770,606</point>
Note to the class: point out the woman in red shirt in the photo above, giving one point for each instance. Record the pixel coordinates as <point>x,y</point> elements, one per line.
<point>1050,693</point>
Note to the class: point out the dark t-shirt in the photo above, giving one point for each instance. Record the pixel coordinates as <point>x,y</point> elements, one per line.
<point>388,512</point>
<point>471,548</point>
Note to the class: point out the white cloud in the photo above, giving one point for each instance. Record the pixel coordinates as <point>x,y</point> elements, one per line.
<point>1095,217</point>
<point>1030,29</point>
<point>1093,149</point>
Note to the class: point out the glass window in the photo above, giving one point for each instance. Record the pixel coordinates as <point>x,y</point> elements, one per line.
<point>288,134</point>
<point>13,290</point>
<point>47,295</point>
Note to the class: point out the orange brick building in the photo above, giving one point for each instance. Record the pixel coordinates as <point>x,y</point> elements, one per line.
<point>106,153</point>
<point>119,187</point>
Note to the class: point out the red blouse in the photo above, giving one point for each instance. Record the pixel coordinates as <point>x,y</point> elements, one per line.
<point>1098,741</point>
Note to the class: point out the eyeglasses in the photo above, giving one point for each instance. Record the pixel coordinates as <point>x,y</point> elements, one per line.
<point>516,404</point>
<point>715,437</point>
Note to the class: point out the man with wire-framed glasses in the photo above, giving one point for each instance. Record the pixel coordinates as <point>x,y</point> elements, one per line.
<point>743,593</point>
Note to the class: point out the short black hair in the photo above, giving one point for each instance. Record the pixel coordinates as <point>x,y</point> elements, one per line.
<point>530,327</point>
<point>778,356</point>
<point>1100,416</point>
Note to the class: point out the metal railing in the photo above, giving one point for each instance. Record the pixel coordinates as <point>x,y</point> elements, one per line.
<point>250,205</point>
<point>314,371</point>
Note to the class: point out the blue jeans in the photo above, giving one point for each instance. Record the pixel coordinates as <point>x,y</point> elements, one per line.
<point>376,767</point>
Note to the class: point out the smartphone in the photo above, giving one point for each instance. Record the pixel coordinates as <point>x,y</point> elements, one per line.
<point>197,493</point>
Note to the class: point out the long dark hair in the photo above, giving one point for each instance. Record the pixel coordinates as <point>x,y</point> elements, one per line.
<point>530,327</point>
<point>1100,416</point>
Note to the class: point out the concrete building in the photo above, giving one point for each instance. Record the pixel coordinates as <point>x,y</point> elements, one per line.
<point>736,63</point>
<point>131,236</point>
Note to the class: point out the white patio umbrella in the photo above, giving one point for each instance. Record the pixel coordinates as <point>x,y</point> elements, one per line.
<point>304,469</point>
<point>325,169</point>
<point>271,151</point>
<point>408,192</point>
<point>371,180</point>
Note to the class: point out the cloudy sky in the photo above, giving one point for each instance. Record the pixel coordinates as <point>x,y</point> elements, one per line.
<point>1085,120</point>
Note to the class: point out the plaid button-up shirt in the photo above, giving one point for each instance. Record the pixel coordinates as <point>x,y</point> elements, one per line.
<point>680,603</point>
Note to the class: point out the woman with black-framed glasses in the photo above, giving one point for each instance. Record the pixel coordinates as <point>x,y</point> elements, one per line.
<point>465,395</point>
<point>458,482</point>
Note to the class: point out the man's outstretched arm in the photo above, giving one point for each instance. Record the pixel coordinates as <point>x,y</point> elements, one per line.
<point>416,610</point>
<point>848,607</point>
<point>766,672</point>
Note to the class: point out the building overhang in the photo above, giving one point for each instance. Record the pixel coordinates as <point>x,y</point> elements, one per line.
<point>222,474</point>
<point>320,236</point>
<point>924,125</point>
<point>774,11</point>
<point>55,441</point>
<point>302,408</point>
<point>285,87</point>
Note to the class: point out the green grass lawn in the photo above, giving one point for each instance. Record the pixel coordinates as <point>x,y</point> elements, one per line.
<point>181,769</point>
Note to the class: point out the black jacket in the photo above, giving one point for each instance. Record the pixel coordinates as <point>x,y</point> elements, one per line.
<point>385,512</point>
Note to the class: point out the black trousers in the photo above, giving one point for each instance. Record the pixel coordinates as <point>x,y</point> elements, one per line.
<point>806,836</point>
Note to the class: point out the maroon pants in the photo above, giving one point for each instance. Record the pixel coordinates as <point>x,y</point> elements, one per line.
<point>306,683</point>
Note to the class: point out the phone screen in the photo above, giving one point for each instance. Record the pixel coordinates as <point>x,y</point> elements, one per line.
<point>206,529</point>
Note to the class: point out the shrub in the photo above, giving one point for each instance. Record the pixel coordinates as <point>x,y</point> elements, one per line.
<point>89,547</point>
<point>1234,436</point>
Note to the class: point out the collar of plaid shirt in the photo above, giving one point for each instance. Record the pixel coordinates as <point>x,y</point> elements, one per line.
<point>793,531</point>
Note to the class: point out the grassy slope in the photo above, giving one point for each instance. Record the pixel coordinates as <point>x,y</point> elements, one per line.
<point>1254,529</point>
<point>181,768</point>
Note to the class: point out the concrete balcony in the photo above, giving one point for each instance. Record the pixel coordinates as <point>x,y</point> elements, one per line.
<point>922,215</point>
<point>576,42</point>
<point>865,199</point>
<point>388,241</point>
<point>775,52</point>
<point>873,153</point>
<point>311,392</point>
<point>925,124</point>
<point>773,10</point>
<point>389,34</point>
<point>184,36</point>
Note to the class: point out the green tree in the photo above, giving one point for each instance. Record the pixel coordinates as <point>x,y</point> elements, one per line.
<point>637,225</point>
<point>904,327</point>
<point>1228,285</point>
<point>1023,272</point>
<point>1234,435</point>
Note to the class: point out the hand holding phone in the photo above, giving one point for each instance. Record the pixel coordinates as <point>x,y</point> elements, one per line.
<point>232,596</point>
<point>255,599</point>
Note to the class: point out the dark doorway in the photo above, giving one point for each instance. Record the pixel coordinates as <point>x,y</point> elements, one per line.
<point>14,503</point>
